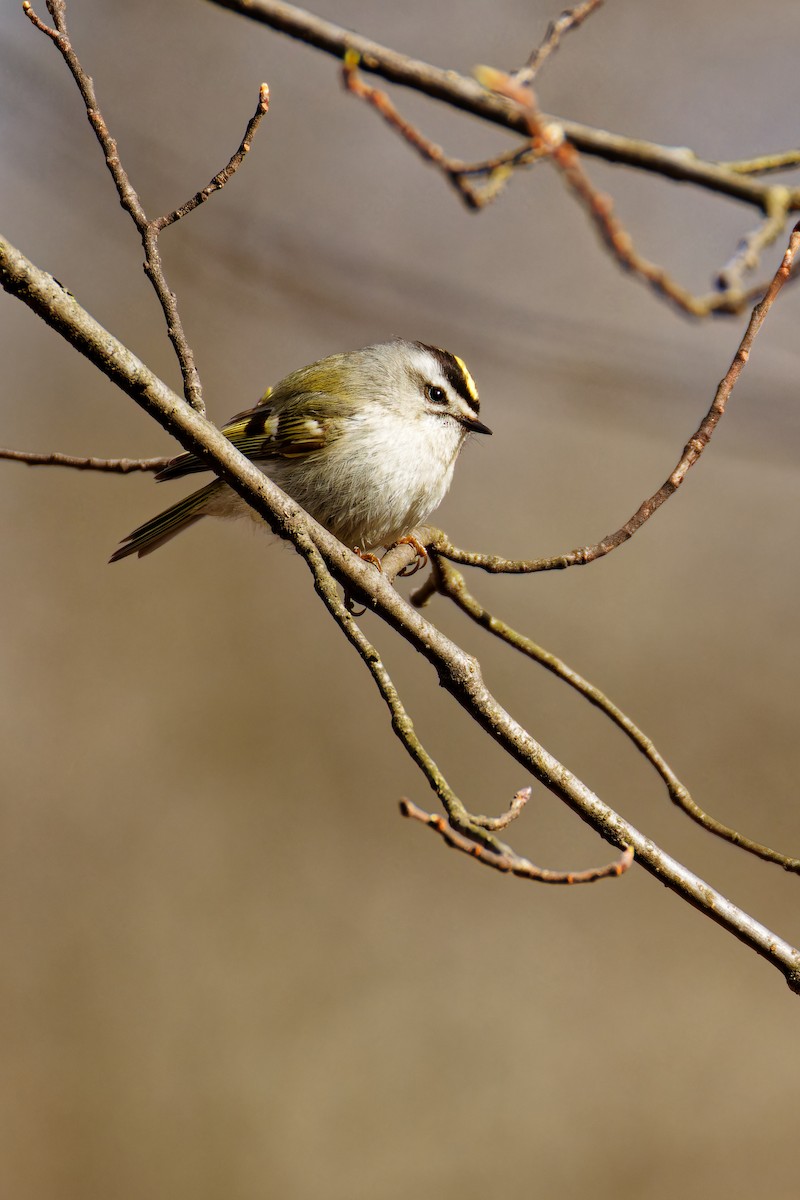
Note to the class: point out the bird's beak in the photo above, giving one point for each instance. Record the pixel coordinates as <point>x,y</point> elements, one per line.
<point>475,426</point>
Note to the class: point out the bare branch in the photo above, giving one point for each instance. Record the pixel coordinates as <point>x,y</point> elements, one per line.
<point>573,18</point>
<point>513,864</point>
<point>782,160</point>
<point>491,176</point>
<point>222,177</point>
<point>115,466</point>
<point>495,564</point>
<point>459,91</point>
<point>748,252</point>
<point>129,199</point>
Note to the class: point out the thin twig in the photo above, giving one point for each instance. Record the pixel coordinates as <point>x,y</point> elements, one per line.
<point>569,20</point>
<point>495,564</point>
<point>512,864</point>
<point>765,164</point>
<point>116,466</point>
<point>451,583</point>
<point>129,198</point>
<point>516,806</point>
<point>748,253</point>
<point>222,177</point>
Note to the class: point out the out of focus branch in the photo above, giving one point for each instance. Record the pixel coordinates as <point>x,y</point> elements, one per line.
<point>573,18</point>
<point>462,92</point>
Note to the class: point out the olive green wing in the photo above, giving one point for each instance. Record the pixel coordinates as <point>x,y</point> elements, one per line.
<point>273,429</point>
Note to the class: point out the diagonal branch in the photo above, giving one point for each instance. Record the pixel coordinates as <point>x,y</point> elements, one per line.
<point>458,672</point>
<point>573,18</point>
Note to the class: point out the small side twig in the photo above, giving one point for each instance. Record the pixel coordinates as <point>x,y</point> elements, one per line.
<point>569,20</point>
<point>512,864</point>
<point>748,253</point>
<point>765,164</point>
<point>694,448</point>
<point>516,806</point>
<point>115,466</point>
<point>222,177</point>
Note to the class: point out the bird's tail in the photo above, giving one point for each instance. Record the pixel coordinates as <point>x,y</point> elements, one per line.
<point>167,524</point>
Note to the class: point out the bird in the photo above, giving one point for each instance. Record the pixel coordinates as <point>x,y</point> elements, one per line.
<point>365,441</point>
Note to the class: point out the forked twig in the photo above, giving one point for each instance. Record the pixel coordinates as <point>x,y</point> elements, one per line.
<point>463,831</point>
<point>512,864</point>
<point>129,198</point>
<point>478,184</point>
<point>461,92</point>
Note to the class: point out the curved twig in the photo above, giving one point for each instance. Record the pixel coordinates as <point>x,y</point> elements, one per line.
<point>451,583</point>
<point>512,864</point>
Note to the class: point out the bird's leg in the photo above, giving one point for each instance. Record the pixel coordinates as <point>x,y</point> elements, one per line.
<point>376,562</point>
<point>367,557</point>
<point>422,554</point>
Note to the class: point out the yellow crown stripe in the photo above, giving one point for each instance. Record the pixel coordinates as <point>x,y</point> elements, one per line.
<point>468,380</point>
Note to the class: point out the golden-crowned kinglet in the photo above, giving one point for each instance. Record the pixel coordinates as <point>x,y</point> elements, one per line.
<point>366,442</point>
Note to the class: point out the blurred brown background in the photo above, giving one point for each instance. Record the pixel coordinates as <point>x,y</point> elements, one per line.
<point>230,969</point>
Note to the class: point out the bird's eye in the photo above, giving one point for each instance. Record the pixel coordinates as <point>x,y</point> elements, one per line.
<point>436,395</point>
